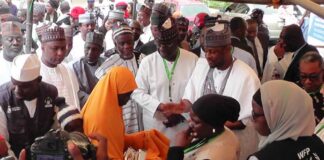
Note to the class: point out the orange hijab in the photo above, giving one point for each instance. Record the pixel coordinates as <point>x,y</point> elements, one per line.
<point>102,113</point>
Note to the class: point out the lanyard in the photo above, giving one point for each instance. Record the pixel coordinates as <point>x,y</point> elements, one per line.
<point>201,143</point>
<point>170,73</point>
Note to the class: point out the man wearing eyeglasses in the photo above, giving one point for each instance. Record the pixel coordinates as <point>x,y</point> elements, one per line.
<point>311,79</point>
<point>12,41</point>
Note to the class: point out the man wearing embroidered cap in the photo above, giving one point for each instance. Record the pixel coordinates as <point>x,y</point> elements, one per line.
<point>26,99</point>
<point>53,71</point>
<point>163,75</point>
<point>221,73</point>
<point>122,55</point>
<point>12,41</point>
<point>87,24</point>
<point>114,16</point>
<point>85,68</point>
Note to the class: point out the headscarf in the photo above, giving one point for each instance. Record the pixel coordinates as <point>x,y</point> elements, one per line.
<point>215,109</point>
<point>102,113</point>
<point>288,110</point>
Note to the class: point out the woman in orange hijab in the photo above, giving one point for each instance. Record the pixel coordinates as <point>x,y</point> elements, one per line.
<point>102,114</point>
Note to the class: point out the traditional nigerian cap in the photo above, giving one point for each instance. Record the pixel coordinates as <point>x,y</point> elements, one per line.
<point>146,9</point>
<point>41,28</point>
<point>116,14</point>
<point>218,35</point>
<point>76,11</point>
<point>66,113</point>
<point>121,5</point>
<point>54,3</point>
<point>68,30</point>
<point>25,67</point>
<point>94,37</point>
<point>160,13</point>
<point>183,21</point>
<point>87,18</point>
<point>39,8</point>
<point>53,33</point>
<point>121,29</point>
<point>90,1</point>
<point>168,31</point>
<point>11,28</point>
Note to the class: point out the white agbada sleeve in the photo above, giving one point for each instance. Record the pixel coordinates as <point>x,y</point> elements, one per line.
<point>195,84</point>
<point>141,94</point>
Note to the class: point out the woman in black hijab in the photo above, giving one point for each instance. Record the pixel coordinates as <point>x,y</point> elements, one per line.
<point>207,137</point>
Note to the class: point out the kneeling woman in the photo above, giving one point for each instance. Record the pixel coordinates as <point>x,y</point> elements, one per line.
<point>283,112</point>
<point>213,140</point>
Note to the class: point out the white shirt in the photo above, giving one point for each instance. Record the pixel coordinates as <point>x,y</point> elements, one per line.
<point>5,69</point>
<point>241,85</point>
<point>153,88</point>
<point>258,48</point>
<point>64,79</point>
<point>109,40</point>
<point>77,51</point>
<point>274,68</point>
<point>147,34</point>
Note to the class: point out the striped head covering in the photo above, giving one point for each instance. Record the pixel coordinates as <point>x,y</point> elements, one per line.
<point>66,113</point>
<point>121,28</point>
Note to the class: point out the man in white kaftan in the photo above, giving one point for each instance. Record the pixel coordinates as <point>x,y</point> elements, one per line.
<point>12,42</point>
<point>163,76</point>
<point>86,24</point>
<point>227,76</point>
<point>52,69</point>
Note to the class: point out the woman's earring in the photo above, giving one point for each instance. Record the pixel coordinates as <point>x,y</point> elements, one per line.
<point>214,130</point>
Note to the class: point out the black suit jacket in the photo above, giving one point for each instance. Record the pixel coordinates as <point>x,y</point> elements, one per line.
<point>292,73</point>
<point>242,45</point>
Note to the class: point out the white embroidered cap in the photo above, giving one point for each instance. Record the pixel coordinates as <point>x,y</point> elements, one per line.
<point>25,68</point>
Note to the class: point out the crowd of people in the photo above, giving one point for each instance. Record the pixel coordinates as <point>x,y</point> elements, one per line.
<point>148,86</point>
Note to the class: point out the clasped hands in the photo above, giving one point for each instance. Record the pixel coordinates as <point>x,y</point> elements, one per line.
<point>173,111</point>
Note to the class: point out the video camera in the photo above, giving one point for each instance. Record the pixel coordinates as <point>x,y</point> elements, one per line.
<point>53,146</point>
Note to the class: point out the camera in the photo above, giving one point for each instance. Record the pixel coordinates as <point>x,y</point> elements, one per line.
<point>53,146</point>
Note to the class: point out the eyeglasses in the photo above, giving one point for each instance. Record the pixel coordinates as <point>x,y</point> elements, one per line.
<point>311,77</point>
<point>256,115</point>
